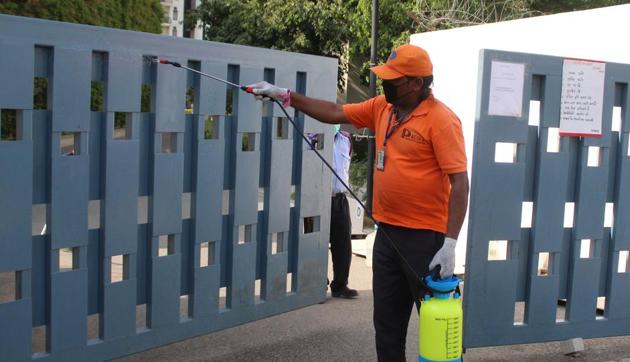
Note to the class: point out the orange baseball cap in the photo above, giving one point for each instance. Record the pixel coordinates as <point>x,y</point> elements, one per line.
<point>405,61</point>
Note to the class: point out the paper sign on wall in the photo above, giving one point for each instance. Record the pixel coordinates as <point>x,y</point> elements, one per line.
<point>506,89</point>
<point>581,98</point>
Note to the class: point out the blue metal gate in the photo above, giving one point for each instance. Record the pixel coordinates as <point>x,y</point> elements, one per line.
<point>565,273</point>
<point>141,204</point>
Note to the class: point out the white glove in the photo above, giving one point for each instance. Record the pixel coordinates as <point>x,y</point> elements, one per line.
<point>445,258</point>
<point>264,90</point>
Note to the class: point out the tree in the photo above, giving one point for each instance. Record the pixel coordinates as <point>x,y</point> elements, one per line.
<point>303,26</point>
<point>140,15</point>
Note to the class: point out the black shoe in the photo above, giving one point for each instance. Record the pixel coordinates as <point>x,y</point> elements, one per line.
<point>344,292</point>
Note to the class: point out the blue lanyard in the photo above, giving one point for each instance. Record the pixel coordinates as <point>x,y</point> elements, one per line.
<point>389,133</point>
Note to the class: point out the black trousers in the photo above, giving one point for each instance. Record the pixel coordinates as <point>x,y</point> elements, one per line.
<point>340,243</point>
<point>395,286</point>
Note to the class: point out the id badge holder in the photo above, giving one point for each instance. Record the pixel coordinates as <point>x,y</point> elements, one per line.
<point>380,160</point>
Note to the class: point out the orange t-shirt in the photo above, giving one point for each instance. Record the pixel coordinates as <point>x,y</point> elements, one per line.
<point>413,189</point>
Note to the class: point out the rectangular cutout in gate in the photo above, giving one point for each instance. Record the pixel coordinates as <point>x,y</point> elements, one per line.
<point>184,310</point>
<point>545,264</point>
<point>498,250</point>
<point>561,311</point>
<point>68,259</point>
<point>39,341</point>
<point>519,313</point>
<point>616,119</point>
<point>600,308</point>
<point>93,328</point>
<point>527,211</point>
<point>277,243</point>
<point>10,289</point>
<point>282,128</point>
<point>169,142</point>
<point>569,210</point>
<point>248,142</point>
<point>594,157</point>
<point>258,296</point>
<point>142,318</point>
<point>244,234</point>
<point>166,245</point>
<point>10,125</point>
<point>70,143</point>
<point>316,140</point>
<point>534,113</point>
<point>586,248</point>
<point>290,283</point>
<point>505,152</point>
<point>224,299</point>
<point>119,268</point>
<point>609,215</point>
<point>622,264</point>
<point>553,140</point>
<point>311,224</point>
<point>211,128</point>
<point>206,253</point>
<point>122,125</point>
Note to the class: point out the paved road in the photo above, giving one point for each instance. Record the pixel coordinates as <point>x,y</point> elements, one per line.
<point>341,330</point>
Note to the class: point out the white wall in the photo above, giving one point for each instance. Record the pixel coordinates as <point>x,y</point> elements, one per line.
<point>599,34</point>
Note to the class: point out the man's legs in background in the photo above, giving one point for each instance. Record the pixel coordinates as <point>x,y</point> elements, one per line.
<point>340,246</point>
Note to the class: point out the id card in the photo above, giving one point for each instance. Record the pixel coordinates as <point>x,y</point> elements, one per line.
<point>380,160</point>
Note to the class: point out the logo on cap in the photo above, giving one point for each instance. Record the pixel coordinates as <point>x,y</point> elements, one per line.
<point>392,55</point>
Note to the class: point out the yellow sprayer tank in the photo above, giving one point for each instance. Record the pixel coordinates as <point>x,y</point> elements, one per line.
<point>441,321</point>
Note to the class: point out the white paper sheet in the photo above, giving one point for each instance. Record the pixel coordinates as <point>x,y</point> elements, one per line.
<point>582,97</point>
<point>506,89</point>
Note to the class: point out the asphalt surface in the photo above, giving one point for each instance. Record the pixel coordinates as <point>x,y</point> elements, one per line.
<point>341,330</point>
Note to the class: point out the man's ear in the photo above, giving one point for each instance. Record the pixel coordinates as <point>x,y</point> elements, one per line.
<point>419,82</point>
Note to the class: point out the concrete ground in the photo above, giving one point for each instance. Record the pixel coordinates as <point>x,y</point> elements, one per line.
<point>341,330</point>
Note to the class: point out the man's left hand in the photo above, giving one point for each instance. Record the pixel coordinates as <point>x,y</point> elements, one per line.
<point>445,258</point>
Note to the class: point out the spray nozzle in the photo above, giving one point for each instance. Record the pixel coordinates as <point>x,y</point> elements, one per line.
<point>175,64</point>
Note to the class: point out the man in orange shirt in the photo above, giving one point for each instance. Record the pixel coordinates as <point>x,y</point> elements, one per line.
<point>420,184</point>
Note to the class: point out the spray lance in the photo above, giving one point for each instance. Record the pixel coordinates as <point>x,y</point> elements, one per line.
<point>441,316</point>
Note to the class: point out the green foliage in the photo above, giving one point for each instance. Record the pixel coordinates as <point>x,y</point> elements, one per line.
<point>8,125</point>
<point>40,93</point>
<point>120,120</point>
<point>303,26</point>
<point>399,19</point>
<point>140,15</point>
<point>145,98</point>
<point>97,100</point>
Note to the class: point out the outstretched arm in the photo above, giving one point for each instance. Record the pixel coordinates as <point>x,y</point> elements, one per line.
<point>323,111</point>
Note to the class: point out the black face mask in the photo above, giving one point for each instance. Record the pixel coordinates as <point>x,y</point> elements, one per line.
<point>391,91</point>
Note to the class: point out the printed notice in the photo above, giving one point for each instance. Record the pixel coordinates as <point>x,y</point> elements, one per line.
<point>581,98</point>
<point>506,89</point>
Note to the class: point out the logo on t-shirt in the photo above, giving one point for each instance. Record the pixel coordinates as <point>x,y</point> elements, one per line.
<point>412,135</point>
